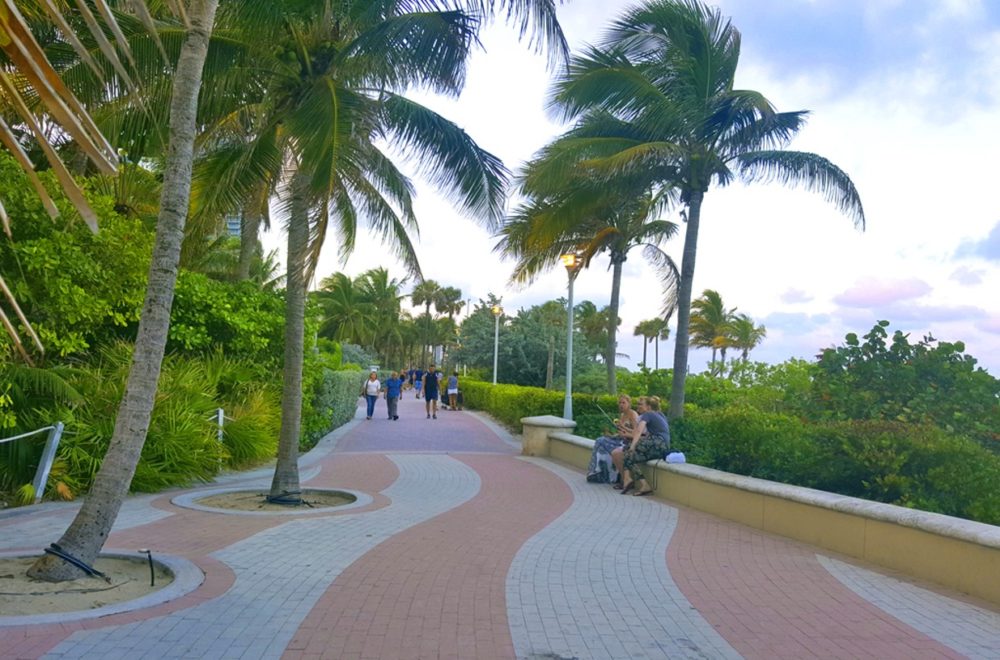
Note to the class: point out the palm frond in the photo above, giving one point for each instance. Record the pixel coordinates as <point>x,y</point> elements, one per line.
<point>667,273</point>
<point>809,170</point>
<point>449,158</point>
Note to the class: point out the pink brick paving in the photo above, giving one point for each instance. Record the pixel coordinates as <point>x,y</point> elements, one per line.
<point>452,431</point>
<point>437,590</point>
<point>770,598</point>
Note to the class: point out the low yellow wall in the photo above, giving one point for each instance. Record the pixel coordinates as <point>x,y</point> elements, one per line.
<point>956,553</point>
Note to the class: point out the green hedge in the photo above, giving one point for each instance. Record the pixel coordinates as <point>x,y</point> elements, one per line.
<point>330,400</point>
<point>917,466</point>
<point>509,403</point>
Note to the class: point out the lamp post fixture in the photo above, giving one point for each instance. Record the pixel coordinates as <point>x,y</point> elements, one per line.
<point>572,263</point>
<point>497,313</point>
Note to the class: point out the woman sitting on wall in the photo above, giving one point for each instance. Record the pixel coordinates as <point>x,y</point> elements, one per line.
<point>650,439</point>
<point>601,470</point>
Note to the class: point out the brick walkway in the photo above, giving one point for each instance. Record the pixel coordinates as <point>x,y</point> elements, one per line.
<point>467,550</point>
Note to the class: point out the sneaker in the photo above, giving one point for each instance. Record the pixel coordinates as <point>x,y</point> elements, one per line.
<point>435,416</point>
<point>428,416</point>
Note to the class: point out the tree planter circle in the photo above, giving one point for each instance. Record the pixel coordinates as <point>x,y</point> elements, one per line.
<point>175,577</point>
<point>243,501</point>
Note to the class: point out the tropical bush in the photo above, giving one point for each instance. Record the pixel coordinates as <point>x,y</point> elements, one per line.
<point>74,285</point>
<point>913,465</point>
<point>929,382</point>
<point>330,398</point>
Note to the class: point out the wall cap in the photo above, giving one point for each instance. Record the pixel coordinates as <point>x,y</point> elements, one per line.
<point>549,421</point>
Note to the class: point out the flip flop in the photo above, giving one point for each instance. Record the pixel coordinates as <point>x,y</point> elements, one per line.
<point>640,493</point>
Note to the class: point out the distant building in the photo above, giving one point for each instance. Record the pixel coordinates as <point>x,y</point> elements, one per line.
<point>233,225</point>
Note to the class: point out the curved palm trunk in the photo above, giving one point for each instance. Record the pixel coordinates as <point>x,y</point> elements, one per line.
<point>89,530</point>
<point>248,242</point>
<point>612,348</point>
<point>682,340</point>
<point>285,484</point>
<point>645,345</point>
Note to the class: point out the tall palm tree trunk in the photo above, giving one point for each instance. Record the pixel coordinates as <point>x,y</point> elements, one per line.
<point>682,341</point>
<point>645,345</point>
<point>612,348</point>
<point>90,528</point>
<point>285,484</point>
<point>248,242</point>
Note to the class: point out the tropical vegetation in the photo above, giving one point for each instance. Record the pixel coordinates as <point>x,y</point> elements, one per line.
<point>654,105</point>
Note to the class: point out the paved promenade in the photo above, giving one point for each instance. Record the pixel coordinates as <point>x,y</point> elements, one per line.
<point>463,549</point>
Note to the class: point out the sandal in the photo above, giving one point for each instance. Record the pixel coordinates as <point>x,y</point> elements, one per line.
<point>628,487</point>
<point>640,493</point>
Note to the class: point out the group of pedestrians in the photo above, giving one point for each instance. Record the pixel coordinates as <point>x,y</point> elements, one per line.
<point>641,435</point>
<point>426,383</point>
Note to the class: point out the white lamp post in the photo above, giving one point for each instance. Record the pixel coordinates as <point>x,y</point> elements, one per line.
<point>572,263</point>
<point>497,313</point>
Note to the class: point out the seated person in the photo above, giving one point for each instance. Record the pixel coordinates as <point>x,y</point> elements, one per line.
<point>650,439</point>
<point>598,469</point>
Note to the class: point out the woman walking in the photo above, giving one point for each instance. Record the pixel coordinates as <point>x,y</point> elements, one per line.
<point>370,391</point>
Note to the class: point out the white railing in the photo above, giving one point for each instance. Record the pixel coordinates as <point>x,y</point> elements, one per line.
<point>48,455</point>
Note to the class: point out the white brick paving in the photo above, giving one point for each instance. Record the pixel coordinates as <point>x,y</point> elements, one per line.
<point>970,630</point>
<point>37,532</point>
<point>282,572</point>
<point>570,594</point>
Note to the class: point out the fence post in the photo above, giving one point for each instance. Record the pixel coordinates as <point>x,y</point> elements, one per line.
<point>220,416</point>
<point>45,465</point>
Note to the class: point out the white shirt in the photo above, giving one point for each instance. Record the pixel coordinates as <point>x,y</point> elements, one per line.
<point>372,387</point>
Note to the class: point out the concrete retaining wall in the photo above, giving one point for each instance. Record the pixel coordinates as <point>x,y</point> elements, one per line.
<point>954,552</point>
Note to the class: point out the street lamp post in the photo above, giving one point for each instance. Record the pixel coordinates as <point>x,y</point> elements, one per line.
<point>572,263</point>
<point>497,313</point>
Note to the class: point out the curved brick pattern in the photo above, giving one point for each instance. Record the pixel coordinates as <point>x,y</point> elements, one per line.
<point>572,595</point>
<point>972,631</point>
<point>453,431</point>
<point>33,641</point>
<point>281,573</point>
<point>436,590</point>
<point>771,598</point>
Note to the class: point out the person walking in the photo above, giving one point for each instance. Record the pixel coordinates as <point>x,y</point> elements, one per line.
<point>431,392</point>
<point>453,390</point>
<point>393,390</point>
<point>370,391</point>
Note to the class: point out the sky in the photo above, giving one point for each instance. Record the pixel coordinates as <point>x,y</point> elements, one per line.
<point>904,96</point>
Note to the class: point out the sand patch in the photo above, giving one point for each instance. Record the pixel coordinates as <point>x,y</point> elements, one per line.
<point>246,500</point>
<point>21,595</point>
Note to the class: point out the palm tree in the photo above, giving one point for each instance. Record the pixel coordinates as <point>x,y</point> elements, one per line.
<point>745,335</point>
<point>648,330</point>
<point>90,528</point>
<point>664,334</point>
<point>656,99</point>
<point>382,292</point>
<point>593,325</point>
<point>426,293</point>
<point>710,325</point>
<point>326,89</point>
<point>348,315</point>
<point>552,314</point>
<point>588,218</point>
